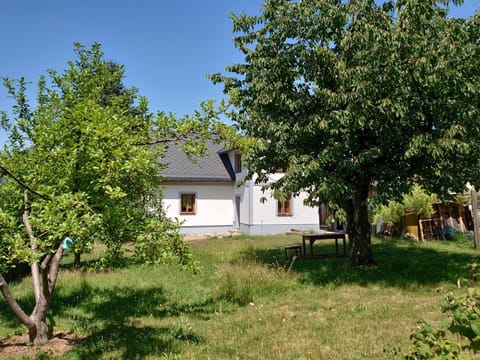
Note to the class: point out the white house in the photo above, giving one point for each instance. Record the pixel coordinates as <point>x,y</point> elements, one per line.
<point>206,196</point>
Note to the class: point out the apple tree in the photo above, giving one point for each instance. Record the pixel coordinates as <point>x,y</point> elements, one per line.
<point>82,165</point>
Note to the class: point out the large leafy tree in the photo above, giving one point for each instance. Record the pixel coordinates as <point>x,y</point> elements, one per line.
<point>82,165</point>
<point>347,95</point>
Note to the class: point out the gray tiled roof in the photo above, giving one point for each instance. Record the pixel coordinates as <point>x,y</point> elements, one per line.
<point>215,166</point>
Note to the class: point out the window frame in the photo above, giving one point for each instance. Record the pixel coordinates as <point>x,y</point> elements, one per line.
<point>281,207</point>
<point>188,195</point>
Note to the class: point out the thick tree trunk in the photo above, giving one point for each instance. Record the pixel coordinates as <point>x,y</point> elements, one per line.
<point>359,228</point>
<point>38,334</point>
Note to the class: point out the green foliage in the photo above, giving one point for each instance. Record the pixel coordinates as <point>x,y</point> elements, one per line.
<point>82,140</point>
<point>83,163</point>
<point>466,316</point>
<point>65,215</point>
<point>461,323</point>
<point>12,245</point>
<point>348,94</point>
<point>92,146</point>
<point>53,220</point>
<point>418,202</point>
<point>430,344</point>
<point>161,242</point>
<point>393,212</point>
<point>373,97</point>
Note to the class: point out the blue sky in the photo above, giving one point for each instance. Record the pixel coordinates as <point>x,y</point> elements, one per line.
<point>167,46</point>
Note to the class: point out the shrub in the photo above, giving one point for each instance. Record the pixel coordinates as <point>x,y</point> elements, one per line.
<point>462,322</point>
<point>416,202</point>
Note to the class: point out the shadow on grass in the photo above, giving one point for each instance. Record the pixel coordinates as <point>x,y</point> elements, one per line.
<point>115,325</point>
<point>399,264</point>
<point>112,321</point>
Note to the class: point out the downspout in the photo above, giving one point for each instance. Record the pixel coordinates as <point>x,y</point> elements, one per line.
<point>250,205</point>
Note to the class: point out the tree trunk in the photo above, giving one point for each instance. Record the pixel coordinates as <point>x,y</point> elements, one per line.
<point>476,229</point>
<point>37,327</point>
<point>76,260</point>
<point>44,278</point>
<point>359,228</point>
<point>38,334</point>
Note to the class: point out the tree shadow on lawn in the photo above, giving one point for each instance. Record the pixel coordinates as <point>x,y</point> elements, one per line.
<point>117,327</point>
<point>110,318</point>
<point>403,266</point>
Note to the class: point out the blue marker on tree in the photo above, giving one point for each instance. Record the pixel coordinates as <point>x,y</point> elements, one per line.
<point>67,243</point>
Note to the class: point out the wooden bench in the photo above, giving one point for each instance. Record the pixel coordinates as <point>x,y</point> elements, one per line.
<point>293,248</point>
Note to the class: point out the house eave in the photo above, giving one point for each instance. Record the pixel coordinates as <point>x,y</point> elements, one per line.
<point>199,180</point>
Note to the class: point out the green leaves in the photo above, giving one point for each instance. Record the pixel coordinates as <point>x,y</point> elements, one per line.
<point>87,144</point>
<point>385,95</point>
<point>389,83</point>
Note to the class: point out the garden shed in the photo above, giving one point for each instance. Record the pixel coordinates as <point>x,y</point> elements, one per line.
<point>451,215</point>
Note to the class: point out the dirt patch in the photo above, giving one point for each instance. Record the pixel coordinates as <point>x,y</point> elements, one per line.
<point>19,346</point>
<point>194,237</point>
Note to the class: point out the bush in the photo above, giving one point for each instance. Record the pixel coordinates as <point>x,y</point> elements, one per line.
<point>462,322</point>
<point>416,202</point>
<point>161,242</point>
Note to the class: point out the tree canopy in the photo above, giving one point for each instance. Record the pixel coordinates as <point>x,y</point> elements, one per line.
<point>82,165</point>
<point>352,95</point>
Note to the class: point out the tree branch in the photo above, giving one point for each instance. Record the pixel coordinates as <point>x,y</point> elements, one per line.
<point>12,303</point>
<point>162,140</point>
<point>20,182</point>
<point>34,247</point>
<point>43,269</point>
<point>53,272</point>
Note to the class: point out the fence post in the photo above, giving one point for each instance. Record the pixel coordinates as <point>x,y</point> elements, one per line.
<point>476,230</point>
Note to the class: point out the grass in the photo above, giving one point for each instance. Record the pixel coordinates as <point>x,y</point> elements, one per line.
<point>249,303</point>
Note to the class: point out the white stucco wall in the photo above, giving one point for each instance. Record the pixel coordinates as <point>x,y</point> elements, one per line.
<point>262,217</point>
<point>216,207</point>
<point>214,204</point>
<point>243,193</point>
<point>267,212</point>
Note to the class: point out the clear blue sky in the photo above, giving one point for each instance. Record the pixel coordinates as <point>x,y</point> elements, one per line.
<point>167,46</point>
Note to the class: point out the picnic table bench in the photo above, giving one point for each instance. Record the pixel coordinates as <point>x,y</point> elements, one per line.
<point>293,248</point>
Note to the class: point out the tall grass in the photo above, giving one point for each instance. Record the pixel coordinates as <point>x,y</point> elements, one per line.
<point>249,302</point>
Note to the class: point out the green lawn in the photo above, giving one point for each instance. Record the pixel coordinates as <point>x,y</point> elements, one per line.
<point>247,303</point>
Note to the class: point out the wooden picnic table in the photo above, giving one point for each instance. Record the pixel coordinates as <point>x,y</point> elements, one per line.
<point>327,235</point>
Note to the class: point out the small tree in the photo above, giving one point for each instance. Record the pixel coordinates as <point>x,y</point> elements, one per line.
<point>350,94</point>
<point>54,219</point>
<point>83,165</point>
